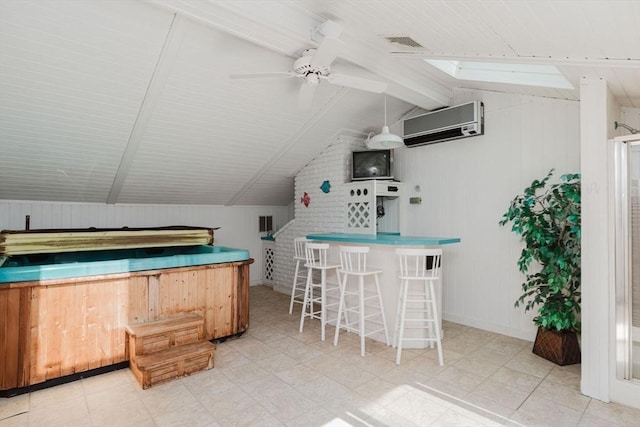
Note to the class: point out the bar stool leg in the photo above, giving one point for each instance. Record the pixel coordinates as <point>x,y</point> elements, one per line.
<point>434,307</point>
<point>428,298</point>
<point>384,320</point>
<point>323,301</point>
<point>295,286</point>
<point>341,307</point>
<point>361,314</point>
<point>404,291</point>
<point>305,302</point>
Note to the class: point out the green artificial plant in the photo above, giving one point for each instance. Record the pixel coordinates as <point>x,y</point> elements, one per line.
<point>547,217</point>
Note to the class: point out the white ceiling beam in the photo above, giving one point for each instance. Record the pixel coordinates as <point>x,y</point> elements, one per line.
<point>160,74</point>
<point>288,31</point>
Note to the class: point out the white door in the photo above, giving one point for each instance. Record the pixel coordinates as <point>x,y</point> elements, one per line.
<point>625,378</point>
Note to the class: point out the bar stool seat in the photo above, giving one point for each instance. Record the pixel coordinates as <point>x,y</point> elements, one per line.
<point>417,307</point>
<point>353,263</point>
<point>317,260</point>
<point>300,274</point>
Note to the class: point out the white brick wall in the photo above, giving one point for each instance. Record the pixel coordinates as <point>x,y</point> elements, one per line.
<point>326,210</point>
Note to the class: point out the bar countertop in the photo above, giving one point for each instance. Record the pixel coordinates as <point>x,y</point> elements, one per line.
<point>391,239</point>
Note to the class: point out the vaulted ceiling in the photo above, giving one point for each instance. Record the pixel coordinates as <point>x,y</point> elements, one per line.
<point>128,101</point>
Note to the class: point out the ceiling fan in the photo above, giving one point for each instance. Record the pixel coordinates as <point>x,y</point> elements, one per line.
<point>314,66</point>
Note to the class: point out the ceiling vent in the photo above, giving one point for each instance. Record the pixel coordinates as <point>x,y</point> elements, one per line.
<point>455,122</point>
<point>403,41</point>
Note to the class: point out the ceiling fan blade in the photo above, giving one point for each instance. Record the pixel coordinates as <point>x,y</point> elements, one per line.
<point>329,48</point>
<point>357,83</point>
<point>305,96</point>
<point>274,74</point>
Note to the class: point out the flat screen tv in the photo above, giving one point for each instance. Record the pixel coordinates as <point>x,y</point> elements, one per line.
<point>372,164</point>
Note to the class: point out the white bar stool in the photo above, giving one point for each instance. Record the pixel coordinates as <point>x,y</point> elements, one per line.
<point>316,259</point>
<point>300,275</point>
<point>353,262</point>
<point>416,270</point>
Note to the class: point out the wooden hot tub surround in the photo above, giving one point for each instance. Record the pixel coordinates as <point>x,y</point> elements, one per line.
<point>58,327</point>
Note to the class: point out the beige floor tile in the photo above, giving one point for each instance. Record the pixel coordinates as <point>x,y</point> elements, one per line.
<point>352,407</point>
<point>461,344</point>
<point>507,346</point>
<point>561,395</point>
<point>401,375</point>
<point>446,388</point>
<point>21,420</point>
<point>57,396</point>
<point>255,415</point>
<point>516,379</point>
<point>251,348</point>
<point>100,383</point>
<point>503,394</point>
<point>316,417</point>
<point>463,419</point>
<point>529,363</point>
<point>417,408</point>
<point>299,374</point>
<point>276,363</point>
<point>322,390</point>
<point>210,382</point>
<point>324,364</point>
<point>70,411</point>
<point>490,355</point>
<point>380,391</point>
<point>245,373</point>
<point>489,405</point>
<point>374,364</point>
<point>461,378</point>
<point>536,411</point>
<point>568,376</point>
<point>350,377</point>
<point>385,417</point>
<point>123,414</point>
<point>287,405</point>
<point>614,413</point>
<point>478,364</point>
<point>10,407</point>
<point>193,415</point>
<point>227,405</point>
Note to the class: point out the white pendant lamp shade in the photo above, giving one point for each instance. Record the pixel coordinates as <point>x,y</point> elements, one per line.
<point>384,139</point>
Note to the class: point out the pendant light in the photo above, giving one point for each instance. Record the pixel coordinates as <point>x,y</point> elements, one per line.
<point>384,139</point>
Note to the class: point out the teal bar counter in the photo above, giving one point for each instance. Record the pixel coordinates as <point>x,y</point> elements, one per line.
<point>382,247</point>
<point>393,239</point>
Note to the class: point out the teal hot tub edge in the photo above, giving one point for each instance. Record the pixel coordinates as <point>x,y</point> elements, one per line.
<point>26,268</point>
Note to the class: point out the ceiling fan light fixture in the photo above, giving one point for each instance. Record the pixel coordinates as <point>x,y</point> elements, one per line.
<point>312,79</point>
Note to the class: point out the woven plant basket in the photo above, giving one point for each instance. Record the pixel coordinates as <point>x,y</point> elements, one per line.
<point>561,348</point>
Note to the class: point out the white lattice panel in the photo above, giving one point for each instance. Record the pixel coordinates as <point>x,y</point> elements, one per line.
<point>268,272</point>
<point>360,208</point>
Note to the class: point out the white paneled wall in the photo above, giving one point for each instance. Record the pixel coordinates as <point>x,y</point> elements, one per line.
<point>466,185</point>
<point>238,224</point>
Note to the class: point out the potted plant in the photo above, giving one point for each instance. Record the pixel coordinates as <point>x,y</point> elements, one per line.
<point>547,217</point>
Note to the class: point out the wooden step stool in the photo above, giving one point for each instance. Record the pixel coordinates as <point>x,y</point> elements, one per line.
<point>165,349</point>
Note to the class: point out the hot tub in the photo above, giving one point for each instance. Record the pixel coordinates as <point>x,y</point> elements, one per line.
<point>23,268</point>
<point>65,314</point>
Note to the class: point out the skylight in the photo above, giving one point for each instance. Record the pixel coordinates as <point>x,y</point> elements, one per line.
<point>502,72</point>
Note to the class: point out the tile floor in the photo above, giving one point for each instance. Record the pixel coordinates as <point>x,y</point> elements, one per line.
<point>275,376</point>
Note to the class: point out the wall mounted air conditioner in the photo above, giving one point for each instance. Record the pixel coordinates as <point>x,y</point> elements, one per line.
<point>459,121</point>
